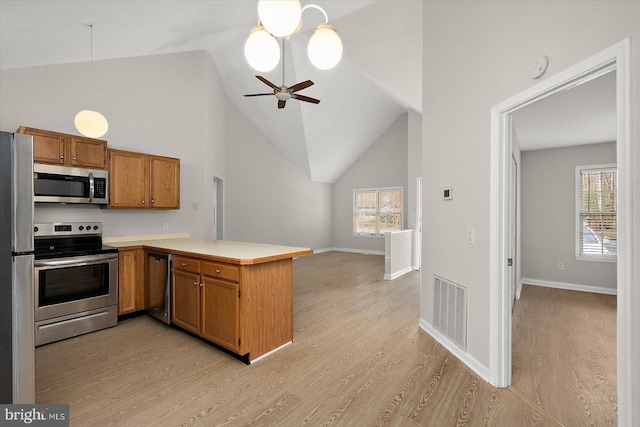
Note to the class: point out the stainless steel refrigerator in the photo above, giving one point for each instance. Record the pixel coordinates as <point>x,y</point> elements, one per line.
<point>17,344</point>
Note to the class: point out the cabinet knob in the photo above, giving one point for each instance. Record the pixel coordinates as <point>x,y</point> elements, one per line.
<point>143,202</point>
<point>217,271</point>
<point>183,264</point>
<point>62,157</point>
<point>75,158</point>
<point>153,201</point>
<point>195,283</point>
<point>201,285</point>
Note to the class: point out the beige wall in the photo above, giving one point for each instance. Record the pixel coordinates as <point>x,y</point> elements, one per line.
<point>384,164</point>
<point>154,104</point>
<point>477,54</point>
<point>269,200</point>
<point>549,216</point>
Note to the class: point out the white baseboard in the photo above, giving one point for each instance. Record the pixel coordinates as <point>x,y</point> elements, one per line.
<point>568,286</point>
<point>398,273</point>
<point>357,251</point>
<point>519,289</point>
<point>471,362</point>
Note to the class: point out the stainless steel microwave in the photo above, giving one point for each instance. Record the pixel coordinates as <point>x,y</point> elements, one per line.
<point>61,184</point>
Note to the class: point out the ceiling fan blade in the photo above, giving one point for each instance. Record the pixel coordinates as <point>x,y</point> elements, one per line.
<point>299,86</point>
<point>305,98</point>
<point>267,82</point>
<point>259,94</point>
<point>281,103</point>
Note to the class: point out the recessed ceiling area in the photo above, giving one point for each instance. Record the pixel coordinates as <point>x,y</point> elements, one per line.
<point>378,79</point>
<point>583,114</point>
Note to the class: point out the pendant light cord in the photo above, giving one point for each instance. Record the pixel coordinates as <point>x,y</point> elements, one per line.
<point>91,71</point>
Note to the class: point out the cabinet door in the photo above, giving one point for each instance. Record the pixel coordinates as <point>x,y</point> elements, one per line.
<point>88,153</point>
<point>128,179</point>
<point>130,280</point>
<point>220,309</point>
<point>186,301</point>
<point>164,182</point>
<point>48,147</point>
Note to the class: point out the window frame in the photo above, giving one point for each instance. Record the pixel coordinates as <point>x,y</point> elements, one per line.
<point>578,211</point>
<point>378,234</point>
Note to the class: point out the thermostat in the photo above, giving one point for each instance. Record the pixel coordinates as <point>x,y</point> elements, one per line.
<point>447,194</point>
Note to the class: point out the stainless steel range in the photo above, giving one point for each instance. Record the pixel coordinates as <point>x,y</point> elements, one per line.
<point>76,281</point>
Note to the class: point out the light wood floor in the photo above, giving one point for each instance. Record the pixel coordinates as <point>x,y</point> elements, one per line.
<point>564,354</point>
<point>358,359</point>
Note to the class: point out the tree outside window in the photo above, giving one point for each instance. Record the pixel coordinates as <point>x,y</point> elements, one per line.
<point>597,217</point>
<point>376,211</point>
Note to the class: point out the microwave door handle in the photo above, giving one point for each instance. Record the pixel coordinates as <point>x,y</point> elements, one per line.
<point>91,187</point>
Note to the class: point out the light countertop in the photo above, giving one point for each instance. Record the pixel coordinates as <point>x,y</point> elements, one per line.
<point>242,253</point>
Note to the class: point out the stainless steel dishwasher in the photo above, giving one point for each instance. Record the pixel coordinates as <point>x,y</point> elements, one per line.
<point>159,289</point>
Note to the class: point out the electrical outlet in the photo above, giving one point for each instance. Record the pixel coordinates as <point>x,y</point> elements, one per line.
<point>560,265</point>
<point>165,226</point>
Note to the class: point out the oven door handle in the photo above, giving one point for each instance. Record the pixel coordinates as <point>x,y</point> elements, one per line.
<point>79,261</point>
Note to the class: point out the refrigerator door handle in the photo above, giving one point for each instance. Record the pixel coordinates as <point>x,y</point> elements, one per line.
<point>22,207</point>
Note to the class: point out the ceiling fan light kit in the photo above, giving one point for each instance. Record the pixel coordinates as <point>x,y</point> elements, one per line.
<point>282,19</point>
<point>91,123</point>
<point>325,48</point>
<point>261,50</point>
<point>279,17</point>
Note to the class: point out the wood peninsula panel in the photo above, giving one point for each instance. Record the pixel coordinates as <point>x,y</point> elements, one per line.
<point>266,307</point>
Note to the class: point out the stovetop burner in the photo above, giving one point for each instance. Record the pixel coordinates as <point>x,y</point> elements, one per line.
<point>72,239</point>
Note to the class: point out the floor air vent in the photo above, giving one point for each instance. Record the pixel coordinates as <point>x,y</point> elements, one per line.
<point>450,310</point>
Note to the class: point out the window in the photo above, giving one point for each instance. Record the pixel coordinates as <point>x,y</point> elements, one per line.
<point>596,209</point>
<point>376,211</point>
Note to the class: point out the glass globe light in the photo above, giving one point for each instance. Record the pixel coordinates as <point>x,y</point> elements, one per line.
<point>261,50</point>
<point>280,17</point>
<point>325,47</point>
<point>91,123</point>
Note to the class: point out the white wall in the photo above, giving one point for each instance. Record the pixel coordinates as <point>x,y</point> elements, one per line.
<point>384,164</point>
<point>414,164</point>
<point>268,199</point>
<point>477,54</point>
<point>162,104</point>
<point>549,216</point>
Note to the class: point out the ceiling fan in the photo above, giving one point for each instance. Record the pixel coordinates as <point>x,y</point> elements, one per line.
<point>285,93</point>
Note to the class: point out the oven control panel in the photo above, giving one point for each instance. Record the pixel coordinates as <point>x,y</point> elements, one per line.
<point>67,229</point>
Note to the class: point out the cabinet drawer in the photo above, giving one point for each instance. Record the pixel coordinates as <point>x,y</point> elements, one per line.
<point>221,271</point>
<point>187,264</point>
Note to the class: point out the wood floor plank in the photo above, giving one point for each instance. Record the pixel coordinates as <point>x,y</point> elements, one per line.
<point>564,354</point>
<point>358,358</point>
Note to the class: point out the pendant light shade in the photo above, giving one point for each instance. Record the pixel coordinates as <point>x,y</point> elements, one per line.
<point>325,47</point>
<point>88,122</point>
<point>280,17</point>
<point>91,123</point>
<point>261,50</point>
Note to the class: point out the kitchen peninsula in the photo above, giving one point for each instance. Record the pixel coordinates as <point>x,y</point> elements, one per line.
<point>237,295</point>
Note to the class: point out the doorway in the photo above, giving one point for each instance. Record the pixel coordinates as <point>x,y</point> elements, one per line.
<point>217,218</point>
<point>615,58</point>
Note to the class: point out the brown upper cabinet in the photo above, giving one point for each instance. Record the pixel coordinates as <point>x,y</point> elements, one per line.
<point>143,181</point>
<point>62,149</point>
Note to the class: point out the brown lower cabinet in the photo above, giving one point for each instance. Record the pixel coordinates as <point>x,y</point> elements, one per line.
<point>247,309</point>
<point>130,280</point>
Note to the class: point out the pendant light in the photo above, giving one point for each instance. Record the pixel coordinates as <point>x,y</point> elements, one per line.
<point>280,17</point>
<point>261,49</point>
<point>91,123</point>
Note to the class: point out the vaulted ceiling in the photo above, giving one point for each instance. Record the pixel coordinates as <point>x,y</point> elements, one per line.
<point>379,77</point>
